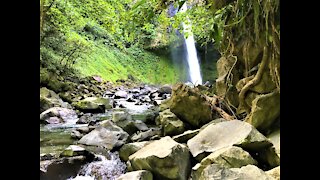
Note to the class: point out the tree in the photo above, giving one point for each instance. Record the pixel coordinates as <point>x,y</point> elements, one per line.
<point>247,33</point>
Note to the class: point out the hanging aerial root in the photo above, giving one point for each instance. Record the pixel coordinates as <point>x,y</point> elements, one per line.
<point>213,101</point>
<point>253,82</point>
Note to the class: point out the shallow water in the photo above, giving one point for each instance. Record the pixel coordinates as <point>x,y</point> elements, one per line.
<point>54,140</point>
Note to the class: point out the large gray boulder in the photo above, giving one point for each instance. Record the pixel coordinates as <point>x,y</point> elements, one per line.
<point>93,104</point>
<point>224,134</point>
<point>228,157</point>
<point>63,114</point>
<point>49,98</point>
<point>130,148</point>
<point>120,116</point>
<point>171,124</point>
<point>185,136</point>
<point>108,135</point>
<point>249,172</point>
<point>165,158</point>
<point>120,94</point>
<point>136,175</point>
<point>231,157</point>
<point>229,133</point>
<point>145,135</point>
<point>190,105</point>
<point>165,89</point>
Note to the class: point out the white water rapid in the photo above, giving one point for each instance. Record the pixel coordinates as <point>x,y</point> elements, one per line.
<point>193,62</point>
<point>105,169</point>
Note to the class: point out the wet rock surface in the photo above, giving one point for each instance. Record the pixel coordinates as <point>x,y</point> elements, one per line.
<point>153,132</point>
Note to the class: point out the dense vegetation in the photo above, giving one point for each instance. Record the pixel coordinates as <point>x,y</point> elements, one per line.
<point>114,38</point>
<point>230,124</point>
<point>104,38</point>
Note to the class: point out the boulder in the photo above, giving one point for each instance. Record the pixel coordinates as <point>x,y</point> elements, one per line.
<point>93,105</point>
<point>228,157</point>
<point>173,127</point>
<point>165,158</point>
<point>141,125</point>
<point>85,119</point>
<point>50,99</point>
<point>130,148</point>
<point>275,173</point>
<point>120,116</point>
<point>249,172</point>
<point>165,104</point>
<point>148,116</point>
<point>60,115</point>
<point>229,133</point>
<point>185,136</point>
<point>170,123</point>
<point>128,126</point>
<point>136,175</point>
<point>190,106</point>
<point>108,135</point>
<point>265,110</point>
<point>76,134</point>
<point>146,135</point>
<point>63,168</point>
<point>165,89</point>
<point>215,121</point>
<point>74,150</point>
<point>66,96</point>
<point>84,129</point>
<point>120,94</point>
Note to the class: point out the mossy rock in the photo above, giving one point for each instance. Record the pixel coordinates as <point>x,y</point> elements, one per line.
<point>93,104</point>
<point>49,98</point>
<point>265,110</point>
<point>171,124</point>
<point>226,69</point>
<point>165,158</point>
<point>55,84</point>
<point>228,157</point>
<point>190,106</point>
<point>130,148</point>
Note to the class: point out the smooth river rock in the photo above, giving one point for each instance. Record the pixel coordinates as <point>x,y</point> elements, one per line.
<point>108,135</point>
<point>165,158</point>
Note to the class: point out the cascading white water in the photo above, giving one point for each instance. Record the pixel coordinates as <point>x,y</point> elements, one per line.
<point>105,169</point>
<point>194,67</point>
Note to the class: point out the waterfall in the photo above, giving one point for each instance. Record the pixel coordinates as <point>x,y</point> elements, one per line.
<point>193,62</point>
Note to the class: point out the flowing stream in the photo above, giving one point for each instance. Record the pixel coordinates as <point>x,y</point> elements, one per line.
<point>106,169</point>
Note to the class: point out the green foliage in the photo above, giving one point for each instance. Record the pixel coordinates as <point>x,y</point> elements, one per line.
<point>112,64</point>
